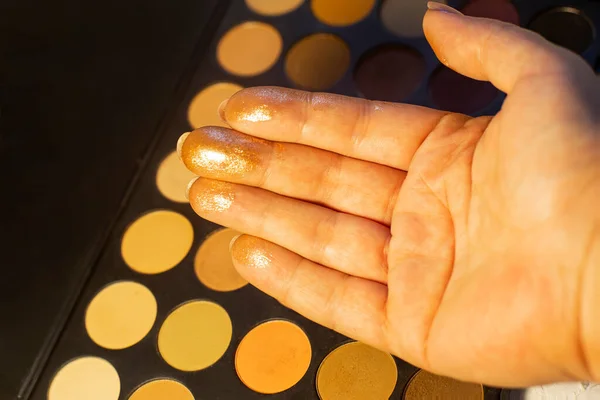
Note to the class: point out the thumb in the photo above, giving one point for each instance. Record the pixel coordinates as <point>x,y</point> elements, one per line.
<point>494,51</point>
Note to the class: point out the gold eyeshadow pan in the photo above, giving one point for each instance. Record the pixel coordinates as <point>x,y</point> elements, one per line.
<point>184,324</point>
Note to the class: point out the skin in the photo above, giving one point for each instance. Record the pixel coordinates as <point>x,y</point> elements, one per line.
<point>466,246</point>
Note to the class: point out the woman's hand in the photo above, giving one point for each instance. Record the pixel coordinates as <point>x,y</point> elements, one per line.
<point>466,246</point>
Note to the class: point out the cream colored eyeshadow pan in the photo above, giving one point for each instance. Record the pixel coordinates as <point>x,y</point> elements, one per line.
<point>157,241</point>
<point>204,107</point>
<point>172,178</point>
<point>120,315</point>
<point>195,335</point>
<point>89,378</point>
<point>249,49</point>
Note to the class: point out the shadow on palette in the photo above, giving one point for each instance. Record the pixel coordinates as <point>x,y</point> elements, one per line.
<point>166,316</point>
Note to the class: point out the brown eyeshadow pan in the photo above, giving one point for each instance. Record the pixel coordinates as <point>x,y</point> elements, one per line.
<point>425,385</point>
<point>318,61</point>
<point>390,73</point>
<point>341,12</point>
<point>568,27</point>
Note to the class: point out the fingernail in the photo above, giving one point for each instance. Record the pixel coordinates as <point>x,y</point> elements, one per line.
<point>222,109</point>
<point>180,142</point>
<point>435,6</point>
<point>189,186</point>
<point>233,241</point>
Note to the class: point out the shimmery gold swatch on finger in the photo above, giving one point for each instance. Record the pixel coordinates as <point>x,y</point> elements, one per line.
<point>217,153</point>
<point>207,195</point>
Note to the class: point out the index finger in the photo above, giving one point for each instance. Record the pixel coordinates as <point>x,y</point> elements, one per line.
<point>376,131</point>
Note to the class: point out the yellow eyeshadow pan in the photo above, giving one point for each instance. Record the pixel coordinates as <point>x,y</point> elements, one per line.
<point>203,109</point>
<point>213,265</point>
<point>172,178</point>
<point>120,315</point>
<point>157,241</point>
<point>425,385</point>
<point>341,12</point>
<point>273,7</point>
<point>273,356</point>
<point>195,335</point>
<point>162,389</point>
<point>89,378</point>
<point>355,371</point>
<point>249,49</point>
<point>318,61</point>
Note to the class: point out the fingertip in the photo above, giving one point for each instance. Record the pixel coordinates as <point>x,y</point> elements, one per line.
<point>208,197</point>
<point>250,255</point>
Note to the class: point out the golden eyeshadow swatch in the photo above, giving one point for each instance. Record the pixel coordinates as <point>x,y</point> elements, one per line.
<point>120,315</point>
<point>425,385</point>
<point>89,378</point>
<point>273,356</point>
<point>195,335</point>
<point>162,389</point>
<point>341,12</point>
<point>318,61</point>
<point>249,49</point>
<point>355,371</point>
<point>273,7</point>
<point>203,109</point>
<point>172,178</point>
<point>157,241</point>
<point>213,265</point>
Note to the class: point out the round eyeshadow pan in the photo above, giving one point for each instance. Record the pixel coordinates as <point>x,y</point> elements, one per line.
<point>425,385</point>
<point>157,241</point>
<point>204,107</point>
<point>317,61</point>
<point>404,18</point>
<point>195,335</point>
<point>162,389</point>
<point>565,26</point>
<point>355,371</point>
<point>453,92</point>
<point>389,73</point>
<point>213,265</point>
<point>273,7</point>
<point>501,10</point>
<point>249,49</point>
<point>273,356</point>
<point>341,12</point>
<point>120,315</point>
<point>89,378</point>
<point>172,178</point>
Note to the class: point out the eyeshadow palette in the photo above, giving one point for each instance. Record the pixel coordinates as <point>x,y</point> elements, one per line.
<point>164,315</point>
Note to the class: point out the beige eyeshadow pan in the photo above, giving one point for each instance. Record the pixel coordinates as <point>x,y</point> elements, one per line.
<point>355,371</point>
<point>213,265</point>
<point>317,61</point>
<point>195,335</point>
<point>273,356</point>
<point>203,109</point>
<point>120,315</point>
<point>172,178</point>
<point>89,378</point>
<point>273,7</point>
<point>162,389</point>
<point>157,241</point>
<point>249,48</point>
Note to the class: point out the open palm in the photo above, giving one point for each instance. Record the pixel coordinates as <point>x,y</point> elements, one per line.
<point>458,244</point>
